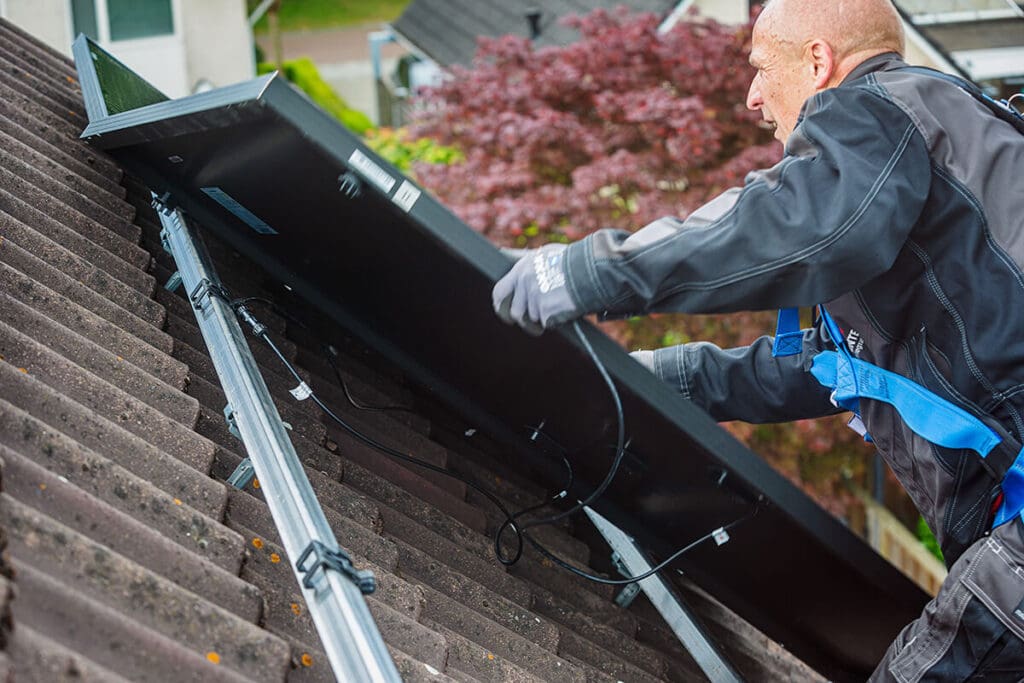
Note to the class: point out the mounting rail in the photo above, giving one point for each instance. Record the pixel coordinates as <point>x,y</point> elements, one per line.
<point>632,562</point>
<point>347,631</point>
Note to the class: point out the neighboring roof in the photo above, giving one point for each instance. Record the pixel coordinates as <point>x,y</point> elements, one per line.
<point>446,31</point>
<point>133,560</point>
<point>939,11</point>
<point>982,38</point>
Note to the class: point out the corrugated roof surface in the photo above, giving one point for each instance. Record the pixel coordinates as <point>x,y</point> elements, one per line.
<point>447,30</point>
<point>131,558</point>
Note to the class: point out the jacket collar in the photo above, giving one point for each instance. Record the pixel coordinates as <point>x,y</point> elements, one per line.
<point>882,62</point>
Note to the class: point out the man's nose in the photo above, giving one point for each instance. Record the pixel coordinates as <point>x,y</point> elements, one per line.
<point>754,99</point>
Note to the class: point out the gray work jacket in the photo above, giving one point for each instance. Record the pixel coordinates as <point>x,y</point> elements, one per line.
<point>898,204</point>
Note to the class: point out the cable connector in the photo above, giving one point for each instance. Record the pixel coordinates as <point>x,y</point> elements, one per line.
<point>337,560</point>
<point>258,328</point>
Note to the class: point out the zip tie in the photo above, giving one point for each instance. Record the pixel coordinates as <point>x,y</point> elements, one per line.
<point>720,535</point>
<point>301,392</point>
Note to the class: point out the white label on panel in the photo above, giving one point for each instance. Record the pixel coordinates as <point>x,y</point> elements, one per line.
<point>371,171</point>
<point>406,196</point>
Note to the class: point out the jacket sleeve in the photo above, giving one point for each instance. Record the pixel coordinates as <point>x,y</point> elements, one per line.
<point>833,214</point>
<point>748,383</point>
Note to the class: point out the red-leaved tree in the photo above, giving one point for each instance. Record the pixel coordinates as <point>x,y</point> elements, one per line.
<point>617,129</point>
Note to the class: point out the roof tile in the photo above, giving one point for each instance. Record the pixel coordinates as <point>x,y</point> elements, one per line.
<point>61,309</point>
<point>87,355</point>
<point>39,256</point>
<point>39,488</point>
<point>91,430</point>
<point>109,637</point>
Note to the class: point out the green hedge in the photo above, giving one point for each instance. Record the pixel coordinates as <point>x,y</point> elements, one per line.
<point>303,74</point>
<point>396,146</point>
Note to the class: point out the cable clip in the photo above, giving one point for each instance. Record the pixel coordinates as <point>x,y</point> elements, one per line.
<point>301,392</point>
<point>337,560</point>
<point>720,535</point>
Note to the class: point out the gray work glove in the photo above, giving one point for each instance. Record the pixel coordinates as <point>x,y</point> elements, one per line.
<point>644,358</point>
<point>533,294</point>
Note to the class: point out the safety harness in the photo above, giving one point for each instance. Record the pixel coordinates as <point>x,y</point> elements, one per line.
<point>928,415</point>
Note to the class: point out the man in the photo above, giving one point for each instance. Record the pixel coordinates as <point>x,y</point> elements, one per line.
<point>898,205</point>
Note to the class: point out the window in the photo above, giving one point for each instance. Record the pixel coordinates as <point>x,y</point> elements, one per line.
<point>114,20</point>
<point>139,18</point>
<point>83,16</point>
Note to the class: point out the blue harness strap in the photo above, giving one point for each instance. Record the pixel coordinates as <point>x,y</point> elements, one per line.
<point>930,416</point>
<point>789,338</point>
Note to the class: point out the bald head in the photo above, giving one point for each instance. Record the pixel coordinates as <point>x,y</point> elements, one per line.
<point>854,29</point>
<point>801,47</point>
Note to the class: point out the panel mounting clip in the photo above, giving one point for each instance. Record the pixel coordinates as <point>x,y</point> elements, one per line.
<point>629,592</point>
<point>173,282</point>
<point>229,417</point>
<point>206,289</point>
<point>337,560</point>
<point>243,475</point>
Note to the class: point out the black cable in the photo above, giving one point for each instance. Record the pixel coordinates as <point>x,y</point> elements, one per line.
<point>620,441</point>
<point>330,353</point>
<point>520,531</point>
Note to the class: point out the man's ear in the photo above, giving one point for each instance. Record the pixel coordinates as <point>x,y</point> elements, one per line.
<point>822,62</point>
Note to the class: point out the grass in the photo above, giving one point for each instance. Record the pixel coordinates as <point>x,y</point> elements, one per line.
<point>297,15</point>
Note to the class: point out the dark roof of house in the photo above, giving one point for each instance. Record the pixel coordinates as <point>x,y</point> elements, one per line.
<point>129,558</point>
<point>447,30</point>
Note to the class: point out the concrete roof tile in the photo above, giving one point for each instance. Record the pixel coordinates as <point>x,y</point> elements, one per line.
<point>179,479</point>
<point>19,208</point>
<point>105,636</point>
<point>32,292</point>
<point>114,368</point>
<point>37,487</point>
<point>36,254</point>
<point>42,659</point>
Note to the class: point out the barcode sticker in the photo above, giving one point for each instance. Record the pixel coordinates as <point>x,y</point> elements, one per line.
<point>371,171</point>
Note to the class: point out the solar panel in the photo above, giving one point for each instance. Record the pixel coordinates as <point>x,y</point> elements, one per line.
<point>283,183</point>
<point>113,88</point>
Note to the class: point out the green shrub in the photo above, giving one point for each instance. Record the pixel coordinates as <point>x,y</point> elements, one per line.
<point>928,539</point>
<point>303,74</point>
<point>396,146</point>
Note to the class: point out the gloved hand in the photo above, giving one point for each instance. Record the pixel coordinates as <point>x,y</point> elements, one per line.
<point>533,294</point>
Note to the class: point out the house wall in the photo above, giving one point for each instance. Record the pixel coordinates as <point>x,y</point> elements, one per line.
<point>724,11</point>
<point>48,20</point>
<point>212,42</point>
<point>218,42</point>
<point>922,53</point>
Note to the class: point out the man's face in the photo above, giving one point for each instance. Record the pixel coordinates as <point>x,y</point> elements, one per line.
<point>782,84</point>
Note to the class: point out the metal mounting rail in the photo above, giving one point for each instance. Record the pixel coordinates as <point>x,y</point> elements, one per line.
<point>347,631</point>
<point>632,562</point>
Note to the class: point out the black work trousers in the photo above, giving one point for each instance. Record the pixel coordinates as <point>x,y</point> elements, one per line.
<point>973,630</point>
